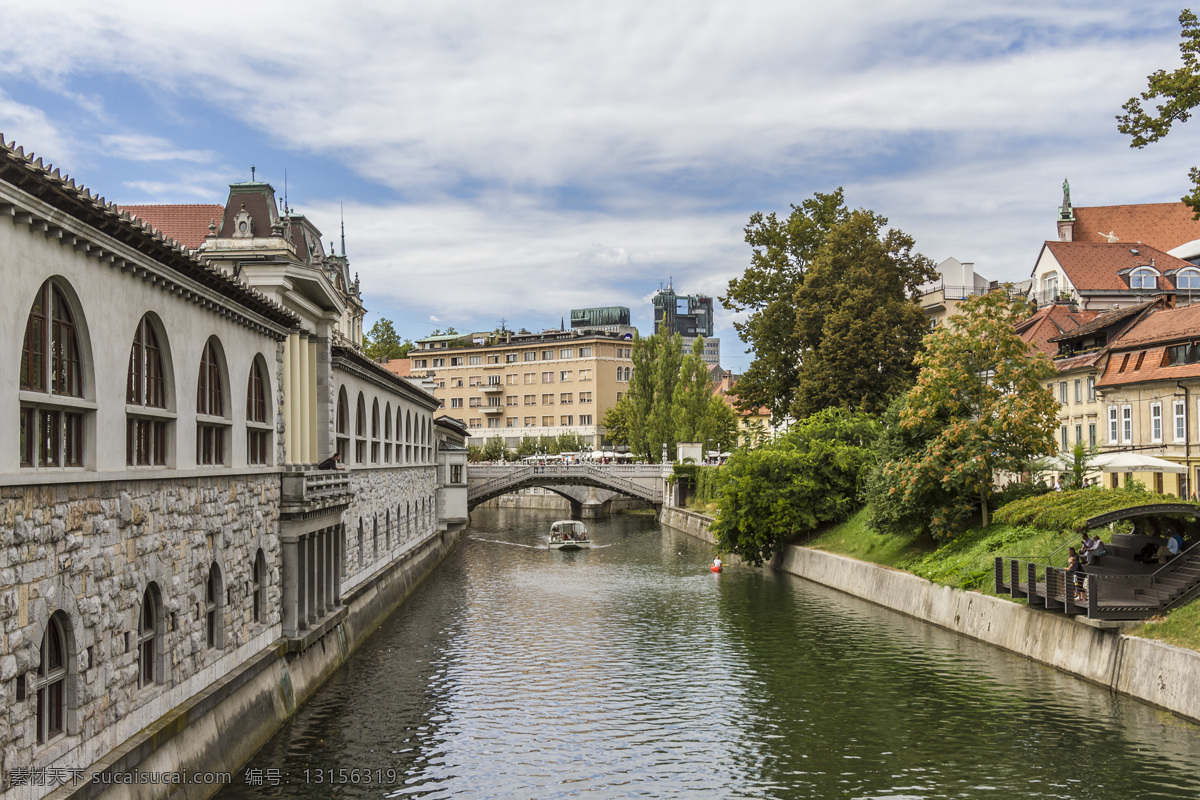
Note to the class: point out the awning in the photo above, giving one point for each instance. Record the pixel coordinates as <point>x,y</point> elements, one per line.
<point>1134,462</point>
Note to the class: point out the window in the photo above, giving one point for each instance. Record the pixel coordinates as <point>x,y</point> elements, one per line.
<point>258,587</point>
<point>1180,421</point>
<point>1143,278</point>
<point>1050,286</point>
<point>474,422</point>
<point>1126,424</point>
<point>456,383</point>
<point>343,427</point>
<point>510,358</point>
<point>585,374</point>
<point>1078,434</point>
<point>494,359</point>
<point>387,432</point>
<point>529,422</point>
<point>567,419</point>
<point>1183,354</point>
<point>51,681</point>
<point>456,402</point>
<point>493,380</point>
<point>529,355</point>
<point>1062,392</point>
<point>375,431</point>
<point>475,380</point>
<point>512,379</point>
<point>145,387</point>
<point>564,376</point>
<point>585,419</point>
<point>456,361</point>
<point>530,399</point>
<point>148,632</point>
<point>547,355</point>
<point>585,397</point>
<point>530,377</point>
<point>547,422</point>
<point>474,361</point>
<point>620,372</point>
<point>1112,425</point>
<point>547,399</point>
<point>493,422</point>
<point>566,398</point>
<point>420,363</point>
<point>439,362</point>
<point>258,433</point>
<point>1063,432</point>
<point>510,422</point>
<point>210,402</point>
<point>1156,430</point>
<point>456,473</point>
<point>1187,279</point>
<point>213,595</point>
<point>360,430</point>
<point>475,402</point>
<point>568,352</point>
<point>585,352</point>
<point>1078,390</point>
<point>1091,389</point>
<point>512,400</point>
<point>52,431</point>
<point>547,377</point>
<point>1092,435</point>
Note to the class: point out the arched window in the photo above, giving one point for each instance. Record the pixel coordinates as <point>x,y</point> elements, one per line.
<point>387,530</point>
<point>211,429</point>
<point>146,433</point>
<point>399,437</point>
<point>407,437</point>
<point>213,597</point>
<point>387,433</point>
<point>375,538</point>
<point>51,430</point>
<point>1187,279</point>
<point>375,431</point>
<point>52,682</point>
<point>258,586</point>
<point>1143,278</point>
<point>360,431</point>
<point>362,553</point>
<point>343,426</point>
<point>258,430</point>
<point>149,629</point>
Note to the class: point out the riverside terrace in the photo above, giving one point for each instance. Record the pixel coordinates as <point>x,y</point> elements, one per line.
<point>1116,587</point>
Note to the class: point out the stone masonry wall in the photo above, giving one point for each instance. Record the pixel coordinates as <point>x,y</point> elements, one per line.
<point>389,500</point>
<point>89,551</point>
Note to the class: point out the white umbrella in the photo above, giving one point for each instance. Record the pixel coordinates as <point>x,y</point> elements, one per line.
<point>1134,462</point>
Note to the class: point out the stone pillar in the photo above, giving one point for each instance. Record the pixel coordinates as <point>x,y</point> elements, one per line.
<point>339,562</point>
<point>301,584</point>
<point>319,577</point>
<point>310,588</point>
<point>292,361</point>
<point>289,400</point>
<point>304,389</point>
<point>310,352</point>
<point>290,572</point>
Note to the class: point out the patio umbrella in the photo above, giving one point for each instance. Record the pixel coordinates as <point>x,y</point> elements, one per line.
<point>1134,462</point>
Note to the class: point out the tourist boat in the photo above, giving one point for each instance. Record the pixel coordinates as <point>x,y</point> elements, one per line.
<point>569,534</point>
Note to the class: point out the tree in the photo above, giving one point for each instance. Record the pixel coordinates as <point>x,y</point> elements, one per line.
<point>719,425</point>
<point>616,421</point>
<point>813,475</point>
<point>857,320</point>
<point>493,449</point>
<point>1179,92</point>
<point>980,402</point>
<point>692,392</point>
<point>383,342</point>
<point>648,416</point>
<point>780,256</point>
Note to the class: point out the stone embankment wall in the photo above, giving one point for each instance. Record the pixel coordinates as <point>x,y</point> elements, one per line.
<point>1159,674</point>
<point>544,499</point>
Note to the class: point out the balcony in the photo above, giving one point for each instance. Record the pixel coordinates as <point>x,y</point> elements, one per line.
<point>491,388</point>
<point>315,490</point>
<point>493,410</point>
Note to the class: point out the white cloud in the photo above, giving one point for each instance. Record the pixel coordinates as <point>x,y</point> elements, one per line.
<point>30,128</point>
<point>142,147</point>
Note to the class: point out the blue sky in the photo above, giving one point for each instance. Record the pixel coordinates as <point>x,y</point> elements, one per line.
<point>513,160</point>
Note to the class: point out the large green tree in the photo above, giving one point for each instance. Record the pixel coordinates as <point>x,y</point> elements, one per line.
<point>719,425</point>
<point>649,421</point>
<point>857,319</point>
<point>1174,94</point>
<point>978,408</point>
<point>382,342</point>
<point>693,390</point>
<point>812,475</point>
<point>781,251</point>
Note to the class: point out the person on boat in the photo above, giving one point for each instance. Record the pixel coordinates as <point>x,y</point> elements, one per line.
<point>717,563</point>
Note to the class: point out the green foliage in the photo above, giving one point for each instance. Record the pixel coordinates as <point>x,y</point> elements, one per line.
<point>719,426</point>
<point>1081,459</point>
<point>1070,511</point>
<point>692,392</point>
<point>382,342</point>
<point>781,251</point>
<point>710,482</point>
<point>978,408</point>
<point>1174,94</point>
<point>812,476</point>
<point>856,317</point>
<point>494,450</point>
<point>616,423</point>
<point>898,507</point>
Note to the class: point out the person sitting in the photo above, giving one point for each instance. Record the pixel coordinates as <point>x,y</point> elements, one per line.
<point>1093,549</point>
<point>716,563</point>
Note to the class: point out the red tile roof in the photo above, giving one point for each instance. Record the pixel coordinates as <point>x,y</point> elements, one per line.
<point>1140,354</point>
<point>1163,325</point>
<point>1050,321</point>
<point>398,366</point>
<point>1161,225</point>
<point>1094,267</point>
<point>186,224</point>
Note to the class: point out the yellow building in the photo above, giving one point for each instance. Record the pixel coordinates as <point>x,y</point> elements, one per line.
<point>527,384</point>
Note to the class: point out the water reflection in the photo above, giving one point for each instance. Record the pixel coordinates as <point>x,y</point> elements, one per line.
<point>630,670</point>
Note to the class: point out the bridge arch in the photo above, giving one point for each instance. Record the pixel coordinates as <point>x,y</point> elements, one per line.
<point>505,480</point>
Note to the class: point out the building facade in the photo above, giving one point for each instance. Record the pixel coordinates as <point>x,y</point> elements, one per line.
<point>535,385</point>
<point>164,530</point>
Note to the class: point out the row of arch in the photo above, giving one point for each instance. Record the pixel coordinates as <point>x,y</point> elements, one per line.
<point>54,685</point>
<point>411,436</point>
<point>56,374</point>
<point>424,511</point>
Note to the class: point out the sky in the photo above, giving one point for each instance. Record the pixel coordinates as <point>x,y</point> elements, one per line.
<point>509,161</point>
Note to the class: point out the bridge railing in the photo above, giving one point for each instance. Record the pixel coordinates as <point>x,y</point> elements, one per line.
<point>505,477</point>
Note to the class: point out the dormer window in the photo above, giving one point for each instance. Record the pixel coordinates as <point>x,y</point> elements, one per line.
<point>1188,279</point>
<point>1143,278</point>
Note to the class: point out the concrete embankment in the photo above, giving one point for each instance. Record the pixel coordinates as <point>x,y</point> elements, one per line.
<point>220,729</point>
<point>1159,674</point>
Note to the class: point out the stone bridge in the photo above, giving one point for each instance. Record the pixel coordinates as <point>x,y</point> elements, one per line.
<point>602,483</point>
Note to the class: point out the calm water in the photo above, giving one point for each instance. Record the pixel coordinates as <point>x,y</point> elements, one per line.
<point>632,671</point>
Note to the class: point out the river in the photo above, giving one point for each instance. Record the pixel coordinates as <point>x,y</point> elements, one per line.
<point>630,670</point>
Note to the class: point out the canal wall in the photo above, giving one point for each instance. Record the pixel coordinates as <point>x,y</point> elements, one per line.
<point>222,728</point>
<point>1159,674</point>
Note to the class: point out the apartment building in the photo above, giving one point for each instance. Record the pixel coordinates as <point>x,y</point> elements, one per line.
<point>528,384</point>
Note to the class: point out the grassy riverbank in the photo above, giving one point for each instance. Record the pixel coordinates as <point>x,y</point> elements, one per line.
<point>967,563</point>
